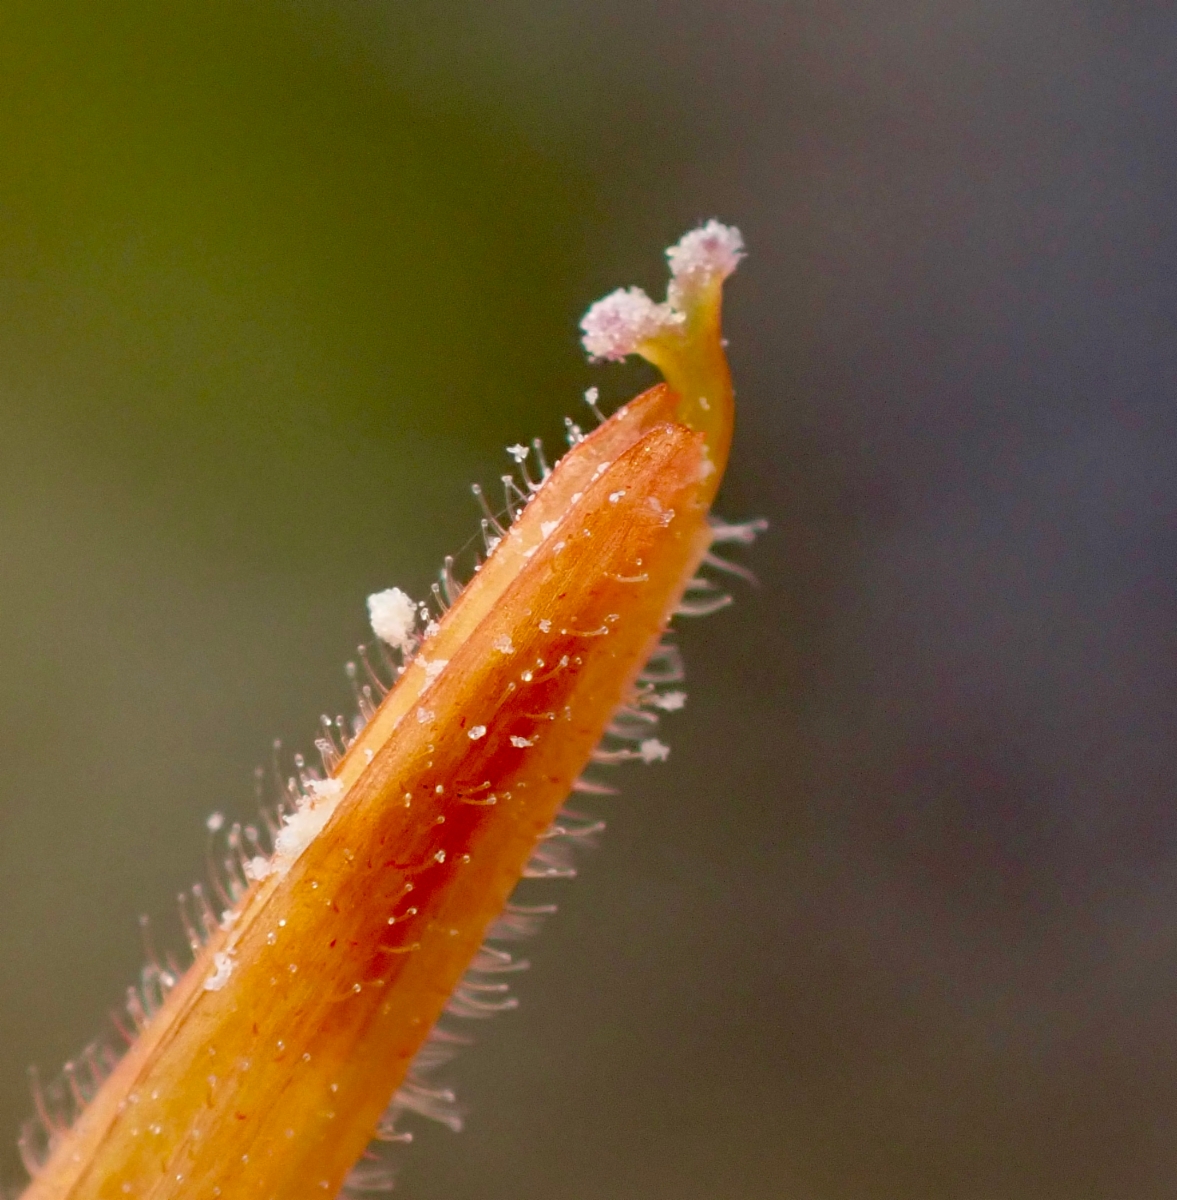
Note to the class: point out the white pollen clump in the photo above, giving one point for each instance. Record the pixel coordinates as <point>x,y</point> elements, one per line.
<point>476,732</point>
<point>545,625</point>
<point>652,750</point>
<point>258,868</point>
<point>302,826</point>
<point>617,325</point>
<point>425,715</point>
<point>520,742</point>
<point>668,701</point>
<point>434,668</point>
<point>504,645</point>
<point>223,968</point>
<point>300,829</point>
<point>215,822</point>
<point>547,527</point>
<point>393,615</point>
<point>325,789</point>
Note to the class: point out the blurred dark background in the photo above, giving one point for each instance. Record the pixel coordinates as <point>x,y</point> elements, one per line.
<point>277,280</point>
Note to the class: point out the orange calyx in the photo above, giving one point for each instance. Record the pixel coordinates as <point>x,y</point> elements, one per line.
<point>268,1066</point>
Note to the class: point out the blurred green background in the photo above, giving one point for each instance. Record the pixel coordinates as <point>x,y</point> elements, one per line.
<point>279,280</point>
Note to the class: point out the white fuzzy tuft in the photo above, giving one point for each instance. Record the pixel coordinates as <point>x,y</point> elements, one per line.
<point>617,325</point>
<point>393,615</point>
<point>325,789</point>
<point>433,668</point>
<point>258,868</point>
<point>652,751</point>
<point>713,251</point>
<point>302,826</point>
<point>223,965</point>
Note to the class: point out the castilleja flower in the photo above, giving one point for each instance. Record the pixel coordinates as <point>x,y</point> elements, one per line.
<point>303,1028</point>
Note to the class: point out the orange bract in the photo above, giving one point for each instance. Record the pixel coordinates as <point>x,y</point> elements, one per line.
<point>268,1067</point>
